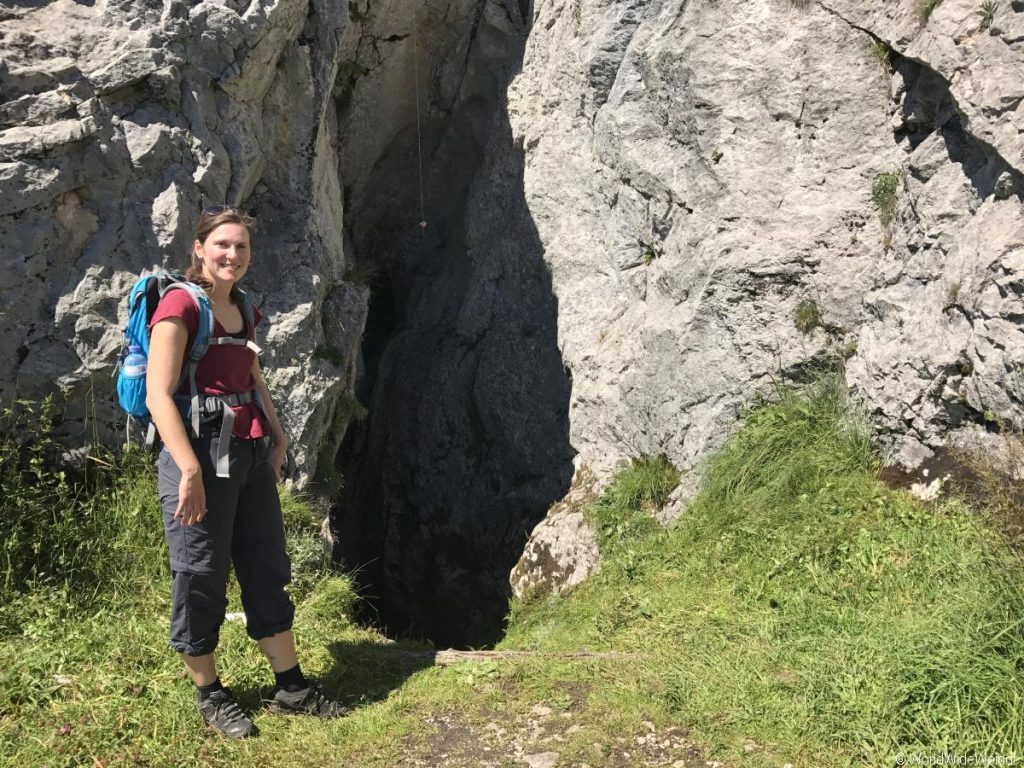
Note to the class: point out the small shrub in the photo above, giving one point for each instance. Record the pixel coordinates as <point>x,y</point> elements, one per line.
<point>807,316</point>
<point>924,9</point>
<point>331,354</point>
<point>884,194</point>
<point>952,294</point>
<point>306,548</point>
<point>987,13</point>
<point>361,273</point>
<point>649,256</point>
<point>349,407</point>
<point>882,53</point>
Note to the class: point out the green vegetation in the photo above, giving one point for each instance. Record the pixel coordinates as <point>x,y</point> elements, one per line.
<point>952,294</point>
<point>69,531</point>
<point>882,53</point>
<point>349,407</point>
<point>807,316</point>
<point>798,612</point>
<point>884,194</point>
<point>987,12</point>
<point>649,256</point>
<point>624,511</point>
<point>924,9</point>
<point>801,606</point>
<point>331,354</point>
<point>362,273</point>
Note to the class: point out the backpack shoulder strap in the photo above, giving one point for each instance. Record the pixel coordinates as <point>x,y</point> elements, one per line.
<point>202,340</point>
<point>248,313</point>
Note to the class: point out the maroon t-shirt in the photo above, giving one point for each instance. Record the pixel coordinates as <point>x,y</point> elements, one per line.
<point>223,370</point>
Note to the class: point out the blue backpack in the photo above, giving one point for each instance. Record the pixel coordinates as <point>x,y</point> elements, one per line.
<point>143,299</point>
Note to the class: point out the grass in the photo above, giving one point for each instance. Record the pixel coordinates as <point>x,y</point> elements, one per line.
<point>362,273</point>
<point>884,196</point>
<point>882,53</point>
<point>924,9</point>
<point>807,316</point>
<point>987,13</point>
<point>802,606</point>
<point>952,294</point>
<point>798,612</point>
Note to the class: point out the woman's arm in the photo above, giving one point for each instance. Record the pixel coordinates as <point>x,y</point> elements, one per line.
<point>279,448</point>
<point>167,342</point>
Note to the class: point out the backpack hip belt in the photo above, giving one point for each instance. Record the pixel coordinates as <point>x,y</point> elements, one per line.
<point>224,404</point>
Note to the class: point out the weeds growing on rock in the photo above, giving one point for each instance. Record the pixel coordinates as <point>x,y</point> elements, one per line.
<point>807,316</point>
<point>625,510</point>
<point>987,12</point>
<point>924,9</point>
<point>83,526</point>
<point>952,295</point>
<point>361,273</point>
<point>884,196</point>
<point>882,53</point>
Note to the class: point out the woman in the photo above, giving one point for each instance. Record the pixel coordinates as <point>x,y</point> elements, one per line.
<point>211,521</point>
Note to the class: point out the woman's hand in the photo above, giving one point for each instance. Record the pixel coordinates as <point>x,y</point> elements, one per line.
<point>191,497</point>
<point>278,451</point>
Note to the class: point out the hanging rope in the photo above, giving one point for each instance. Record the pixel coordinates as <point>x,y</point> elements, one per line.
<point>416,89</point>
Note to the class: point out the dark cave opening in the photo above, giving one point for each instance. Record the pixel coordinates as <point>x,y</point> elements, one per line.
<point>466,444</point>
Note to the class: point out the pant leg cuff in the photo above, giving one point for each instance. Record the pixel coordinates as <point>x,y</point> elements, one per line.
<point>195,649</point>
<point>267,630</point>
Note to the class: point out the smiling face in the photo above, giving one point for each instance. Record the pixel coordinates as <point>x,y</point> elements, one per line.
<point>224,254</point>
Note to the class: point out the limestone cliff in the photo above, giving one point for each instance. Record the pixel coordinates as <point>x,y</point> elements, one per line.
<point>531,238</point>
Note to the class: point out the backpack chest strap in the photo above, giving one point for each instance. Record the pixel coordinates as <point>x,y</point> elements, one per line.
<point>231,341</point>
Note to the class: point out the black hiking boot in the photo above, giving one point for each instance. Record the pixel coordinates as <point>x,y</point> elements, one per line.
<point>222,713</point>
<point>308,701</point>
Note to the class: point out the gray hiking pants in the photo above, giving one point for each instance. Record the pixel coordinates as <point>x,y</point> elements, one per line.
<point>242,526</point>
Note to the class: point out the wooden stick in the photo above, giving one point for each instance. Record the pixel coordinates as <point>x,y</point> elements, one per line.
<point>449,656</point>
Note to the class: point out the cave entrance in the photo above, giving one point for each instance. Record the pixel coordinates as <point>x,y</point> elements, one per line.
<point>466,444</point>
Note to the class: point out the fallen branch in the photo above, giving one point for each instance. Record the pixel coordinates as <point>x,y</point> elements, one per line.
<point>449,656</point>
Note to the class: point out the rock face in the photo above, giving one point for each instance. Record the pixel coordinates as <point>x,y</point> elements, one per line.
<point>120,121</point>
<point>702,178</point>
<point>534,239</point>
<point>563,550</point>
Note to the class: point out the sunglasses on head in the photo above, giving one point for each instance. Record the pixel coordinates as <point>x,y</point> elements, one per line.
<point>213,210</point>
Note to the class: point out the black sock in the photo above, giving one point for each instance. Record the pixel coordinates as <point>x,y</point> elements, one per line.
<point>206,690</point>
<point>291,680</point>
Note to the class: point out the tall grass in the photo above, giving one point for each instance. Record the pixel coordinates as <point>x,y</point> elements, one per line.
<point>93,528</point>
<point>802,607</point>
